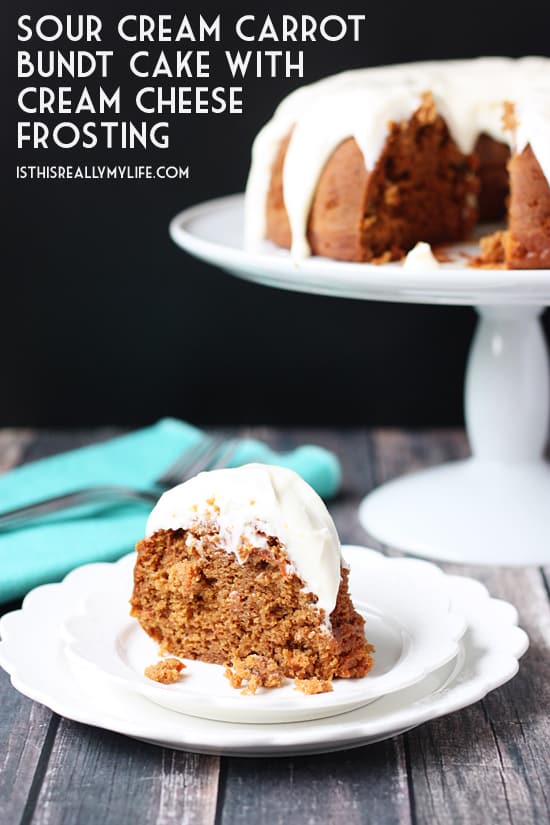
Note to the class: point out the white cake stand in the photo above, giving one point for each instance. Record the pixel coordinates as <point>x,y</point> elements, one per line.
<point>493,508</point>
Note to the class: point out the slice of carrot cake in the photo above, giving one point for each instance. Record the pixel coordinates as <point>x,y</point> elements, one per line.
<point>243,567</point>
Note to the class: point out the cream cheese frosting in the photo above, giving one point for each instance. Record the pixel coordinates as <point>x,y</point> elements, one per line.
<point>469,94</point>
<point>420,258</point>
<point>251,503</point>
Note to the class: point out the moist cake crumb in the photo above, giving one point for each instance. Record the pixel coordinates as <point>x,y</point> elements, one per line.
<point>493,251</point>
<point>199,602</point>
<point>312,686</point>
<point>422,188</point>
<point>167,671</point>
<point>254,671</point>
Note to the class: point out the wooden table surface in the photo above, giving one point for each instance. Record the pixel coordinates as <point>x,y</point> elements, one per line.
<point>489,763</point>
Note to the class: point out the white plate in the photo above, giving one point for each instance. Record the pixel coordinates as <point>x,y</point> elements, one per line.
<point>32,651</point>
<point>409,621</point>
<point>213,231</point>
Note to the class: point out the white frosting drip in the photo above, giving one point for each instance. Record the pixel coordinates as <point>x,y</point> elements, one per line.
<point>469,94</point>
<point>251,503</point>
<point>533,115</point>
<point>421,259</point>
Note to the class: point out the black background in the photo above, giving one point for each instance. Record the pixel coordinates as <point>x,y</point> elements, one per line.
<point>104,320</point>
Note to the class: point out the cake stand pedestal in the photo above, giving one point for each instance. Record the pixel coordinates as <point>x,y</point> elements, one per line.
<point>493,508</point>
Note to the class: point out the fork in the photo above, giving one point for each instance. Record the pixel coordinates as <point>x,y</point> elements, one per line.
<point>214,453</point>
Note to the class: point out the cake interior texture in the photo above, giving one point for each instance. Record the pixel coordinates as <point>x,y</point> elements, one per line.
<point>364,165</point>
<point>199,601</point>
<point>423,188</point>
<point>526,242</point>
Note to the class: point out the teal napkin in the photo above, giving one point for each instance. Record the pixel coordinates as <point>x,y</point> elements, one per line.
<point>48,550</point>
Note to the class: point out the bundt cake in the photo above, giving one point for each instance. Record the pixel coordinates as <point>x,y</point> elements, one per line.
<point>243,568</point>
<point>363,165</point>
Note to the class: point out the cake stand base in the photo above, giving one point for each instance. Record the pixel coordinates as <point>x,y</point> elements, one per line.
<point>472,511</point>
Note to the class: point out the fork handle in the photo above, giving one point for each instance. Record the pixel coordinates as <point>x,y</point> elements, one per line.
<point>23,516</point>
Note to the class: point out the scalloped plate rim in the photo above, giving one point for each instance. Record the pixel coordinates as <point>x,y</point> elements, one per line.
<point>290,737</point>
<point>409,669</point>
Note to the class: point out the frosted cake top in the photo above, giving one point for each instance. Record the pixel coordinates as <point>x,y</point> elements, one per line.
<point>248,505</point>
<point>469,94</point>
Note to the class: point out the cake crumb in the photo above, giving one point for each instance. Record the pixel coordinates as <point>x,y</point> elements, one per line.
<point>166,671</point>
<point>509,119</point>
<point>312,686</point>
<point>493,251</point>
<point>441,255</point>
<point>253,672</point>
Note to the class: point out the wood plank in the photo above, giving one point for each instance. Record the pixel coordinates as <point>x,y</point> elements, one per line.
<point>98,776</point>
<point>53,442</point>
<point>490,762</point>
<point>24,726</point>
<point>398,451</point>
<point>356,786</point>
<point>26,730</point>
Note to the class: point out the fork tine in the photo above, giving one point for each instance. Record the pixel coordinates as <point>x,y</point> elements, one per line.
<point>225,455</point>
<point>186,458</point>
<point>184,465</point>
<point>204,461</point>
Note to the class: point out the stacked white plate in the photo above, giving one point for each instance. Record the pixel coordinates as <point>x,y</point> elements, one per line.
<point>441,644</point>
